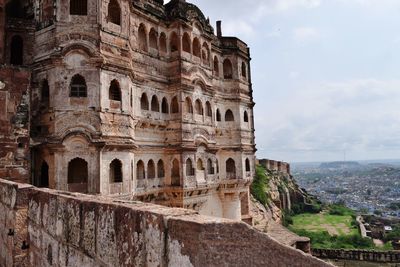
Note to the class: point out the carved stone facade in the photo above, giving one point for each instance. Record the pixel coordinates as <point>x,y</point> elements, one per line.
<point>136,99</point>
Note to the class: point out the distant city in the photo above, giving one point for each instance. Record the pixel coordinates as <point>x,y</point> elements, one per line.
<point>366,186</point>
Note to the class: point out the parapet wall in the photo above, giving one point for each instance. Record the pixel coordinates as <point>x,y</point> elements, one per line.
<point>274,165</point>
<point>64,229</point>
<point>358,255</point>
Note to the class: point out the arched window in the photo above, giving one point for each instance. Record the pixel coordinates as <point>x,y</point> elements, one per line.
<point>208,109</point>
<point>228,71</point>
<point>144,102</point>
<point>153,39</point>
<point>244,70</point>
<point>188,104</point>
<point>186,42</point>
<point>198,107</point>
<point>218,115</point>
<point>140,173</point>
<point>114,12</point>
<point>163,43</point>
<point>45,93</point>
<point>17,50</point>
<point>229,115</point>
<point>15,9</point>
<point>230,169</point>
<point>142,38</point>
<point>132,171</point>
<point>205,54</point>
<point>164,106</point>
<point>151,170</point>
<point>217,166</point>
<point>131,98</point>
<point>216,66</point>
<point>189,167</point>
<point>200,166</point>
<point>247,165</point>
<point>44,175</point>
<point>116,171</point>
<point>78,86</point>
<point>174,42</point>
<point>245,116</point>
<point>196,47</point>
<point>77,171</point>
<point>114,91</point>
<point>175,173</point>
<point>160,169</point>
<point>210,169</point>
<point>78,7</point>
<point>155,105</point>
<point>174,105</point>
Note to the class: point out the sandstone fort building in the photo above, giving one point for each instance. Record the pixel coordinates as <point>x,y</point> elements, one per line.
<point>133,99</point>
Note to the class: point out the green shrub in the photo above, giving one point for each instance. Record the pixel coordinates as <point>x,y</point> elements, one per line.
<point>287,218</point>
<point>297,208</point>
<point>322,239</point>
<point>259,185</point>
<point>394,234</point>
<point>339,209</point>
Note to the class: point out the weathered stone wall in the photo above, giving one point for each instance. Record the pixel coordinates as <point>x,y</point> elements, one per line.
<point>14,124</point>
<point>274,165</point>
<point>13,224</point>
<point>358,255</point>
<point>69,229</point>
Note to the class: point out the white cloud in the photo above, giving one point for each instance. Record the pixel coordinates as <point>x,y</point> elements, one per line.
<point>357,115</point>
<point>282,5</point>
<point>373,4</point>
<point>274,34</point>
<point>294,75</point>
<point>305,34</point>
<point>239,28</point>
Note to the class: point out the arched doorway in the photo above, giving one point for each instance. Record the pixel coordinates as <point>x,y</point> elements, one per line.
<point>116,171</point>
<point>230,169</point>
<point>175,174</point>
<point>78,175</point>
<point>17,50</point>
<point>44,175</point>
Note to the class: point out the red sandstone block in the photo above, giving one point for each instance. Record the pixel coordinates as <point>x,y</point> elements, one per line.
<point>6,73</point>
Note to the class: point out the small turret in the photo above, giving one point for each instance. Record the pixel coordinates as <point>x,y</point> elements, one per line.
<point>219,28</point>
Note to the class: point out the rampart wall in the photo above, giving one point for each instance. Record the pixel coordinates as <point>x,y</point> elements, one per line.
<point>358,255</point>
<point>42,227</point>
<point>274,165</point>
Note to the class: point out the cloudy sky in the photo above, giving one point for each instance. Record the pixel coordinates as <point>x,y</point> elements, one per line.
<point>326,75</point>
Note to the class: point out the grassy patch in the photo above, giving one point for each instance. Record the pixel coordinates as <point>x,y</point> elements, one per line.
<point>333,224</point>
<point>322,239</point>
<point>327,230</point>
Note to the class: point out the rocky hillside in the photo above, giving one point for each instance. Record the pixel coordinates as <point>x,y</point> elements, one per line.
<point>275,193</point>
<point>275,196</point>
